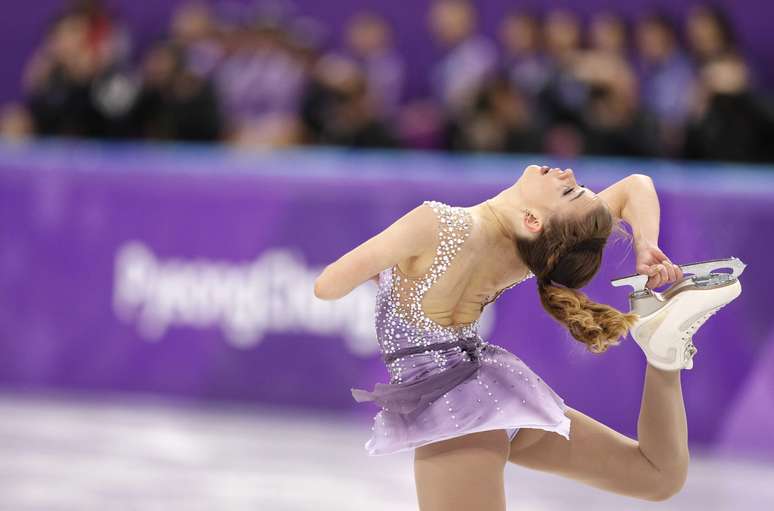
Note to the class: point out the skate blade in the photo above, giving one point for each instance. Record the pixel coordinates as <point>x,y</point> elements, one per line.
<point>702,275</point>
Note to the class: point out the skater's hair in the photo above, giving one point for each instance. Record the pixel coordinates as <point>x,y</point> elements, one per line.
<point>564,256</point>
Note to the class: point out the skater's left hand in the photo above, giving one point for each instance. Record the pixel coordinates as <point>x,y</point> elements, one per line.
<point>653,262</point>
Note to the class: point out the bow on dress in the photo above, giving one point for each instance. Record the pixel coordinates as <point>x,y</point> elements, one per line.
<point>405,397</point>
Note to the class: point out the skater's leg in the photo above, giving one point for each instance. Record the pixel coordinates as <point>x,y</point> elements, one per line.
<point>462,473</point>
<point>653,468</point>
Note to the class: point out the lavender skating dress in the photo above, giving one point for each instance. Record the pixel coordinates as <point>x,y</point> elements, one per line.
<point>446,381</point>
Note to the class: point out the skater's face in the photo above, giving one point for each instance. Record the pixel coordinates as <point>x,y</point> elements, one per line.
<point>548,191</point>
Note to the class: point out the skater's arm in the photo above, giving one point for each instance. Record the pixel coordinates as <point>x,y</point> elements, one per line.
<point>615,195</point>
<point>641,209</point>
<point>410,236</point>
<point>634,200</point>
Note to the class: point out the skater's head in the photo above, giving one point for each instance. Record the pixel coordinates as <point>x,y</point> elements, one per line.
<point>561,236</point>
<point>563,226</point>
<point>547,193</point>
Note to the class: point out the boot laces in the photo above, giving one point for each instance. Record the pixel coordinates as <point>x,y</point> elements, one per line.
<point>690,349</point>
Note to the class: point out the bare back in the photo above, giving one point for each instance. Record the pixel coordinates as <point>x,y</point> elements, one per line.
<point>478,271</point>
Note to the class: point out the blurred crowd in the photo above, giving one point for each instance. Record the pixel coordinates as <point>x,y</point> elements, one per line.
<point>546,83</point>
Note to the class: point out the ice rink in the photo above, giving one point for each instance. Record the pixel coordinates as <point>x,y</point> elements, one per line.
<point>81,454</point>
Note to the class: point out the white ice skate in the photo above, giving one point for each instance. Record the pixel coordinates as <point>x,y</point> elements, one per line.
<point>668,319</point>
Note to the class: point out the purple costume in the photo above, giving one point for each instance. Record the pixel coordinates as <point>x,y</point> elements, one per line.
<point>446,381</point>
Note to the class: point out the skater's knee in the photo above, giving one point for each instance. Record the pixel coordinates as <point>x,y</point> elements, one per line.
<point>670,483</point>
<point>665,493</point>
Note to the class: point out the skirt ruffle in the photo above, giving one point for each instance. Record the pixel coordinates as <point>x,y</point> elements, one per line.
<point>501,393</point>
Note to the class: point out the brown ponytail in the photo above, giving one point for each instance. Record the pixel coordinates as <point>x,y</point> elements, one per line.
<point>564,256</point>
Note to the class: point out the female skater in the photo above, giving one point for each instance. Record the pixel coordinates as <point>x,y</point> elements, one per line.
<point>458,400</point>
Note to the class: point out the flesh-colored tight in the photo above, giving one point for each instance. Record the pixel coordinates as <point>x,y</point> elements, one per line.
<point>466,472</point>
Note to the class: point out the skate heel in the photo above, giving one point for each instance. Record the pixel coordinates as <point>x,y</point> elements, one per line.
<point>668,319</point>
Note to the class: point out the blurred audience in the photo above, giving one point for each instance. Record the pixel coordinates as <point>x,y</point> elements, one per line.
<point>194,29</point>
<point>258,75</point>
<point>523,58</point>
<point>709,33</point>
<point>259,80</point>
<point>337,109</point>
<point>500,119</point>
<point>609,34</point>
<point>729,122</point>
<point>564,95</point>
<point>467,56</point>
<point>370,43</point>
<point>59,78</point>
<point>666,75</point>
<point>174,102</point>
<point>16,124</point>
<point>613,121</point>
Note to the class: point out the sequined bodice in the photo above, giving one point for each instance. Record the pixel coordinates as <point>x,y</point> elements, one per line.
<point>400,320</point>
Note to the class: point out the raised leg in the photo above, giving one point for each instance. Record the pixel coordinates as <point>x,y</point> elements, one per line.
<point>653,468</point>
<point>463,473</point>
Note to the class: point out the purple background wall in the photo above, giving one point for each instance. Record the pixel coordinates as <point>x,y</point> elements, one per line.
<point>22,25</point>
<point>189,271</point>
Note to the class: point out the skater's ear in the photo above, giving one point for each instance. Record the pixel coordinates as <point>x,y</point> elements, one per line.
<point>412,235</point>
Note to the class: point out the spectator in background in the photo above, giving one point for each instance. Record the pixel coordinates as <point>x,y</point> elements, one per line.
<point>108,43</point>
<point>613,122</point>
<point>15,123</point>
<point>76,83</point>
<point>107,40</point>
<point>174,103</point>
<point>520,38</point>
<point>193,29</point>
<point>468,56</point>
<point>500,120</point>
<point>58,81</point>
<point>337,109</point>
<point>666,76</point>
<point>562,99</point>
<point>306,38</point>
<point>609,35</point>
<point>260,82</point>
<point>730,122</point>
<point>370,43</point>
<point>709,33</point>
<point>277,88</point>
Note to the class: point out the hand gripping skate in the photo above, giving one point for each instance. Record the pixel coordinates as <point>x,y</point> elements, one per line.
<point>668,319</point>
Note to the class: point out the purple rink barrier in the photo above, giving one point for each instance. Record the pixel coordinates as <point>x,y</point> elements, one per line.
<point>189,271</point>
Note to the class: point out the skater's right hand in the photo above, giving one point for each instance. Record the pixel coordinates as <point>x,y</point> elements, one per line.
<point>653,262</point>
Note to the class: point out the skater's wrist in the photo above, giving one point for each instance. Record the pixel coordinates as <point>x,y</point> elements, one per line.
<point>642,240</point>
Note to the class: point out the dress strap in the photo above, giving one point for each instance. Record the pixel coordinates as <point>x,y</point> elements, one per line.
<point>454,227</point>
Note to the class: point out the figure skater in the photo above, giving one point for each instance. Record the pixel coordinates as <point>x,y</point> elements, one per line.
<point>459,401</point>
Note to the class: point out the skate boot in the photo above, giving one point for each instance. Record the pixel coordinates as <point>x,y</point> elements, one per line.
<point>668,319</point>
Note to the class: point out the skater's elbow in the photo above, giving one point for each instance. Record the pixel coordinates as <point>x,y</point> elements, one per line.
<point>641,176</point>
